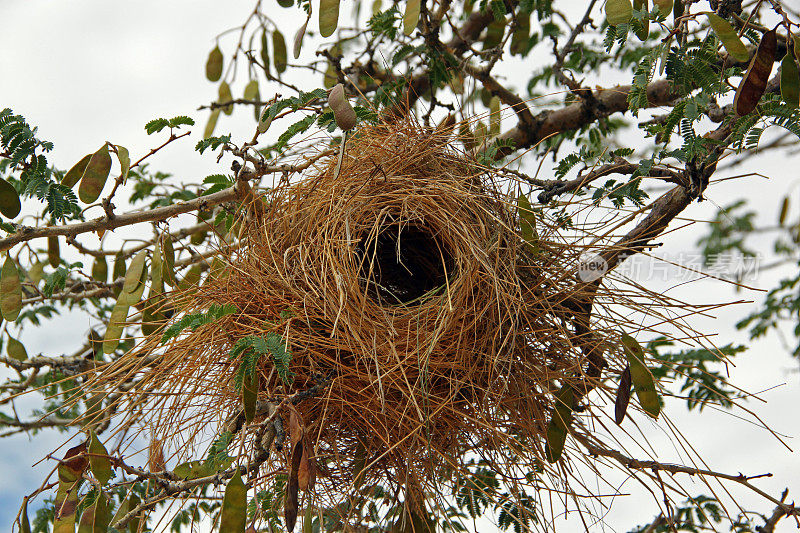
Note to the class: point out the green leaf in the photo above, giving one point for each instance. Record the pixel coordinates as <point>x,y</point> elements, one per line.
<point>271,344</point>
<point>124,162</point>
<point>180,120</point>
<point>560,420</point>
<point>10,290</point>
<point>168,265</point>
<point>641,378</point>
<point>214,64</point>
<point>225,95</point>
<point>16,350</point>
<point>411,16</point>
<point>74,174</point>
<point>286,3</point>
<point>234,506</point>
<point>279,51</point>
<point>95,176</point>
<point>98,459</point>
<point>9,200</point>
<point>195,320</point>
<point>156,125</point>
<point>790,80</point>
<point>728,36</point>
<point>328,17</point>
<point>618,12</point>
<point>100,269</point>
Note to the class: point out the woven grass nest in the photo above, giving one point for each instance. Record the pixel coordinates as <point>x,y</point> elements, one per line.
<point>423,331</point>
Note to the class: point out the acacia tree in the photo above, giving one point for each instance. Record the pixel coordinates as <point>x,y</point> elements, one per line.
<point>700,92</point>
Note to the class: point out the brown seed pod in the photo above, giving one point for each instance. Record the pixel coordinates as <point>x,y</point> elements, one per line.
<point>755,81</point>
<point>343,112</point>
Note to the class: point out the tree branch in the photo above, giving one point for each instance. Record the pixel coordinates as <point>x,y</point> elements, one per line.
<point>126,219</point>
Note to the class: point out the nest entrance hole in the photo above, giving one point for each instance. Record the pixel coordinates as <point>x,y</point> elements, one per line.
<point>402,263</point>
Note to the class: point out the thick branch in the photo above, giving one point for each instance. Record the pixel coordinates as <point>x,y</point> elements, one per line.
<point>126,219</point>
<point>577,115</point>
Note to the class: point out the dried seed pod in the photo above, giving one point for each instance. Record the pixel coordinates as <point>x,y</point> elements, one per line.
<point>343,112</point>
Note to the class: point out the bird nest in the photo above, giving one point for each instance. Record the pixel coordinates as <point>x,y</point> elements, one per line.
<point>392,308</point>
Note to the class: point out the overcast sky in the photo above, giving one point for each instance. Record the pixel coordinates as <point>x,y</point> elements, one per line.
<point>90,71</point>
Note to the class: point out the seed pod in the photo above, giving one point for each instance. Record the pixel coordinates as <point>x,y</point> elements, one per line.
<point>214,65</point>
<point>279,51</point>
<point>53,252</point>
<point>619,12</point>
<point>328,18</point>
<point>225,95</point>
<point>755,81</point>
<point>343,112</point>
